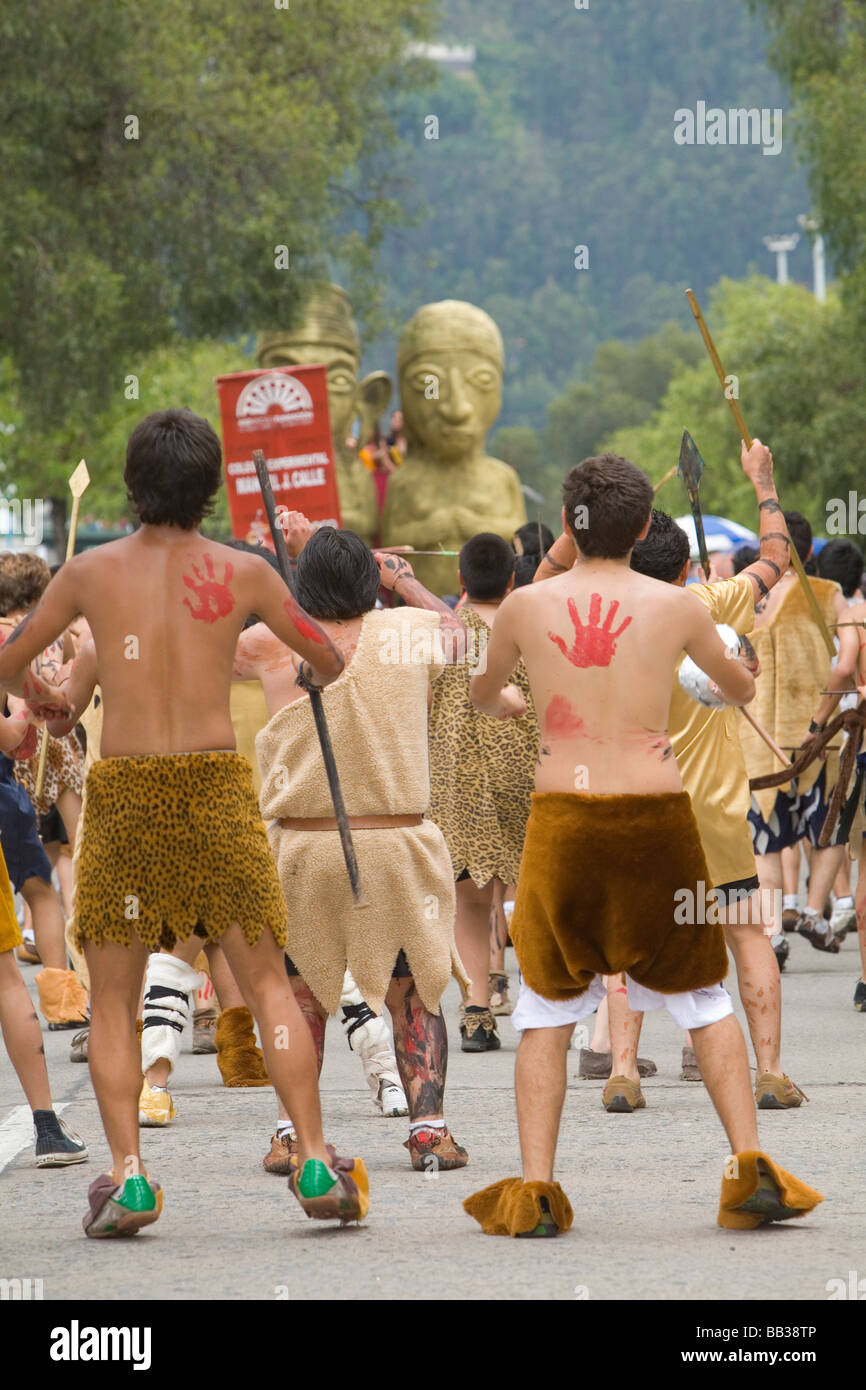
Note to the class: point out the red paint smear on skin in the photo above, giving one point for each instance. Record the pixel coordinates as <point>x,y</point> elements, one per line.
<point>561,719</point>
<point>306,627</point>
<point>594,644</point>
<point>215,599</point>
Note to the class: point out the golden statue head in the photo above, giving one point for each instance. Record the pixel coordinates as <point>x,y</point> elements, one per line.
<point>328,334</point>
<point>450,360</point>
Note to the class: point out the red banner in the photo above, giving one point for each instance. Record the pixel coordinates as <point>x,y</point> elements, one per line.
<point>284,412</point>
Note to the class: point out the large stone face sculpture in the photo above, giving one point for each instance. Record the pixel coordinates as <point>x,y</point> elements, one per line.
<point>450,360</point>
<point>329,334</point>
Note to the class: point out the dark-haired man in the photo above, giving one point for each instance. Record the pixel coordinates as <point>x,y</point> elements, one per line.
<point>480,780</point>
<point>172,836</point>
<point>795,668</point>
<point>400,947</point>
<point>612,844</point>
<point>706,742</point>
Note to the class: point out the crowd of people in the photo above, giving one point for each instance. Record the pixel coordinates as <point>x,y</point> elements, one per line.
<point>558,755</point>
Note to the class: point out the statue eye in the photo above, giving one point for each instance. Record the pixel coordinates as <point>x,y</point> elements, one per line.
<point>483,378</point>
<point>340,381</point>
<point>421,381</point>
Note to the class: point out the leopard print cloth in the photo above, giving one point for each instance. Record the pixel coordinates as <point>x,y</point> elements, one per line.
<point>482,771</point>
<point>174,843</point>
<point>64,768</point>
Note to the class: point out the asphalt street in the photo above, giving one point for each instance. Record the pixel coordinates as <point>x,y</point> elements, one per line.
<point>644,1186</point>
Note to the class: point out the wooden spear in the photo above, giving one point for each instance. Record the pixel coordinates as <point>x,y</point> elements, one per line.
<point>78,485</point>
<point>747,440</point>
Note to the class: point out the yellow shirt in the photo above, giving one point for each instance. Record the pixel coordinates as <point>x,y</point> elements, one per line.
<point>706,743</point>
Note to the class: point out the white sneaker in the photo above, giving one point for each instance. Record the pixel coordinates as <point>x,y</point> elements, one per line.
<point>843,920</point>
<point>390,1099</point>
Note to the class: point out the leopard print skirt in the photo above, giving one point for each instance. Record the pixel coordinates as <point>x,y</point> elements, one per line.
<point>171,844</point>
<point>64,768</point>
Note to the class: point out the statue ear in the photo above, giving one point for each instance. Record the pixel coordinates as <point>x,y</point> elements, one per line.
<point>371,399</point>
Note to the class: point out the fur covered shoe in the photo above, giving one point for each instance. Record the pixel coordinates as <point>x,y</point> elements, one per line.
<point>777,1092</point>
<point>756,1191</point>
<point>239,1059</point>
<point>513,1207</point>
<point>61,998</point>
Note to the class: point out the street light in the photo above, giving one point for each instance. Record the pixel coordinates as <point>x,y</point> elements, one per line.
<point>819,267</point>
<point>781,245</point>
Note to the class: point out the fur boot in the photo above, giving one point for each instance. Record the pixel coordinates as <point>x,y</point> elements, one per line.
<point>755,1190</point>
<point>240,1062</point>
<point>61,998</point>
<point>512,1207</point>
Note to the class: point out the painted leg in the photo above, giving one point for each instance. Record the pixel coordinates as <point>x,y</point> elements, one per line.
<point>758,980</point>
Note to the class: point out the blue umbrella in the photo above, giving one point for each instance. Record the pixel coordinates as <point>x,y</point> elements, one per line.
<point>722,534</point>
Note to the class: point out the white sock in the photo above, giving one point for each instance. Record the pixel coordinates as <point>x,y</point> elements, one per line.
<point>845,903</point>
<point>285,1127</point>
<point>789,902</point>
<point>425,1124</point>
<point>158,1088</point>
<point>811,912</point>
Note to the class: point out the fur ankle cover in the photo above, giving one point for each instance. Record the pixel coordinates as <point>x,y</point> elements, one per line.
<point>240,1062</point>
<point>511,1207</point>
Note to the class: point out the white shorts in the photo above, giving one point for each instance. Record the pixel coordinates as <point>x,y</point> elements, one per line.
<point>694,1009</point>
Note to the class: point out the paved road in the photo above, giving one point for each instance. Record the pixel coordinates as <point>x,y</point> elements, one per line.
<point>644,1186</point>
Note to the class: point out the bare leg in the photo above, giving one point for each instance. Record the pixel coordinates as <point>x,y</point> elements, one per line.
<point>842,881</point>
<point>758,980</point>
<point>721,1052</point>
<point>601,1032</point>
<point>421,1049</point>
<point>22,1034</point>
<point>472,936</point>
<point>539,1088</point>
<point>860,905</point>
<point>116,973</point>
<point>823,868</point>
<point>69,805</point>
<point>625,1026</point>
<point>317,1017</point>
<point>791,870</point>
<point>47,916</point>
<point>286,1042</point>
<point>223,980</point>
<point>769,868</point>
<point>498,928</point>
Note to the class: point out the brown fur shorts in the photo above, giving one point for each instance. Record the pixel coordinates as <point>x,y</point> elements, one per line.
<point>170,843</point>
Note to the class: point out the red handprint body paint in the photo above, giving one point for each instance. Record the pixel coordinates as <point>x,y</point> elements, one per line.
<point>215,598</point>
<point>594,644</point>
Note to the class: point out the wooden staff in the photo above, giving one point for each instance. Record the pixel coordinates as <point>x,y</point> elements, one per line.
<point>762,733</point>
<point>78,485</point>
<point>747,440</point>
<point>316,705</point>
<point>666,479</point>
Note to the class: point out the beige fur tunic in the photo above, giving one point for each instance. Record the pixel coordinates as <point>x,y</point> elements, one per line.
<point>377,718</point>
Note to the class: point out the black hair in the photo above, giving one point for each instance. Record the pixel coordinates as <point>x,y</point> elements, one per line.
<point>800,532</point>
<point>663,551</point>
<point>843,561</point>
<point>527,535</point>
<point>746,555</point>
<point>524,568</point>
<point>337,575</point>
<point>486,565</point>
<point>173,469</point>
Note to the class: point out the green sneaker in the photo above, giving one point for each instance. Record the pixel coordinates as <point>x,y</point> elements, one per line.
<point>121,1209</point>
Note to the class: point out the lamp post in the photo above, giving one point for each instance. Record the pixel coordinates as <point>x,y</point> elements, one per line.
<point>780,246</point>
<point>819,265</point>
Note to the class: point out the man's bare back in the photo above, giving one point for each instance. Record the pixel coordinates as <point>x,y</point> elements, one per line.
<point>166,608</point>
<point>600,644</point>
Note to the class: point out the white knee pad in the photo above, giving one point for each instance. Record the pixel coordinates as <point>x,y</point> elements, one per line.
<point>367,1034</point>
<point>168,984</point>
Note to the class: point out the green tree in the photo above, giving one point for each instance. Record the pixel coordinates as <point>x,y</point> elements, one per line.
<point>156,159</point>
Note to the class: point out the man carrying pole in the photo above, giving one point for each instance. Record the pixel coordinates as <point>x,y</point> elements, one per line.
<point>173,842</point>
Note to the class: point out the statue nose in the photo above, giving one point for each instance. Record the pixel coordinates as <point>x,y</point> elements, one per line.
<point>456,406</point>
